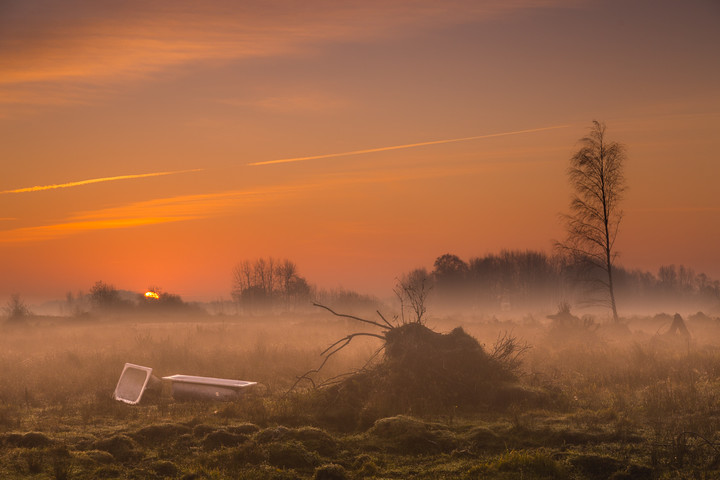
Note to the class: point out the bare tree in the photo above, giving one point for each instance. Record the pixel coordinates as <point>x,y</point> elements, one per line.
<point>596,176</point>
<point>286,270</point>
<point>104,296</point>
<point>242,278</point>
<point>16,308</point>
<point>412,290</point>
<point>268,282</point>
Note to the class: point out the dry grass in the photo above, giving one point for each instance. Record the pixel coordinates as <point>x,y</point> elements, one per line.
<point>629,403</point>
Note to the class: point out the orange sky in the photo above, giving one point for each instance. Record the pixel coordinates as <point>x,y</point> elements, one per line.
<point>159,143</point>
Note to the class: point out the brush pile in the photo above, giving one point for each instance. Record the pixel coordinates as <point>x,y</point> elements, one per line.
<point>423,372</point>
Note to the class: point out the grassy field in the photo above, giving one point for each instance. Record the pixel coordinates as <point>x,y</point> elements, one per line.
<point>615,403</point>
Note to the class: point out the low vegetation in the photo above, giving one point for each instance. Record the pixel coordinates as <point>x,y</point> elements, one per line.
<point>587,401</point>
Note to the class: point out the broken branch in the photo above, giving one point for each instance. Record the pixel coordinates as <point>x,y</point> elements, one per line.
<point>384,327</point>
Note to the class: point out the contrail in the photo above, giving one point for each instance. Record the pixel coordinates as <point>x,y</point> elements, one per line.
<point>39,188</point>
<point>399,147</point>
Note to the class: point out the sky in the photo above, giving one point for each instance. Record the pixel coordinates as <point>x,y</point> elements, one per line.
<point>161,143</point>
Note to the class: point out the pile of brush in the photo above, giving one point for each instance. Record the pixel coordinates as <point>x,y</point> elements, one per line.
<point>423,372</point>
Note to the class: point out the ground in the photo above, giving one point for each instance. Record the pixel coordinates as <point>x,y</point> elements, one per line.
<point>613,402</point>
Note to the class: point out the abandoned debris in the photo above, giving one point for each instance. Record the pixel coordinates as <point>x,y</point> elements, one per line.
<point>189,387</point>
<point>136,379</point>
<point>133,382</point>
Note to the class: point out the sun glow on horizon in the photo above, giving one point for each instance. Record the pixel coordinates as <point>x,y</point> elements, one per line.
<point>151,294</point>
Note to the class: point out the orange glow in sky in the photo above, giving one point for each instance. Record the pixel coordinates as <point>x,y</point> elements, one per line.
<point>359,139</point>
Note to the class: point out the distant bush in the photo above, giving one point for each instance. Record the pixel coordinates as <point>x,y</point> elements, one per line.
<point>157,301</point>
<point>16,309</point>
<point>105,297</point>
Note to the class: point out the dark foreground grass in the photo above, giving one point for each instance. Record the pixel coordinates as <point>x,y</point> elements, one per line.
<point>635,407</point>
<point>397,447</point>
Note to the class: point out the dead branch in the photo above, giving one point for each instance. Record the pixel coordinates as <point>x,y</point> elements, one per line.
<point>339,345</point>
<point>385,320</point>
<point>339,378</point>
<point>385,327</point>
<point>347,340</point>
<point>306,376</point>
<point>508,351</point>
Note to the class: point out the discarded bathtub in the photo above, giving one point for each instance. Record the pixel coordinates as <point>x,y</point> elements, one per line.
<point>133,382</point>
<point>190,387</point>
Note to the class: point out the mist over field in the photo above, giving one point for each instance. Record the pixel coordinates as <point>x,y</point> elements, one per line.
<point>471,370</point>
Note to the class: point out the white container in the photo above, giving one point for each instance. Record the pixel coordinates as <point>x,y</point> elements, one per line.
<point>133,382</point>
<point>188,387</point>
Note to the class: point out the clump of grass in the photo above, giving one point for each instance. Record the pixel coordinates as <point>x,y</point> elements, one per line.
<point>526,464</point>
<point>165,468</point>
<point>121,447</point>
<point>35,461</point>
<point>10,417</point>
<point>61,463</point>
<point>292,454</point>
<point>330,471</point>
<point>222,438</point>
<point>406,435</point>
<point>159,434</point>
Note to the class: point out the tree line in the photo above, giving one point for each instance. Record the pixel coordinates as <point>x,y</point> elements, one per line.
<point>528,279</point>
<point>105,298</point>
<point>269,284</point>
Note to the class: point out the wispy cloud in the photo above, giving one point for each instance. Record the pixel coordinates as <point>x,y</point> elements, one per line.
<point>149,212</point>
<point>207,205</point>
<point>47,232</point>
<point>400,147</point>
<point>90,181</point>
<point>187,206</point>
<point>55,55</point>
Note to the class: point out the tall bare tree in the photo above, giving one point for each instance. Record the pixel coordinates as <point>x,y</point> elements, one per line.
<point>597,178</point>
<point>264,282</point>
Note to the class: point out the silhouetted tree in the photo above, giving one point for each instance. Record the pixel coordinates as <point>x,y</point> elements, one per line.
<point>667,275</point>
<point>513,277</point>
<point>264,283</point>
<point>531,279</point>
<point>596,176</point>
<point>412,290</point>
<point>16,309</point>
<point>161,301</point>
<point>104,296</point>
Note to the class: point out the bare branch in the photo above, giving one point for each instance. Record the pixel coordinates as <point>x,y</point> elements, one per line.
<point>347,340</point>
<point>384,319</point>
<point>353,317</point>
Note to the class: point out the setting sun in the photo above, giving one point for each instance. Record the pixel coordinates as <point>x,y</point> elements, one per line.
<point>151,294</point>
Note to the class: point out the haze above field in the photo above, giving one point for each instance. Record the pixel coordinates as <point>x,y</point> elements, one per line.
<point>141,143</point>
